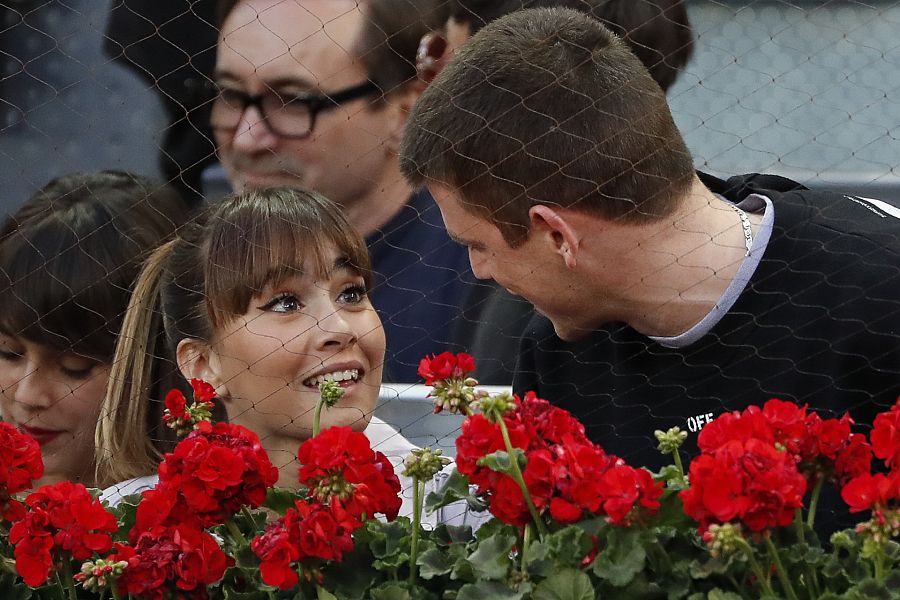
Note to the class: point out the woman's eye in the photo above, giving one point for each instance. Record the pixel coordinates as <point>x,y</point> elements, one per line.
<point>9,355</point>
<point>353,294</point>
<point>76,367</point>
<point>282,304</point>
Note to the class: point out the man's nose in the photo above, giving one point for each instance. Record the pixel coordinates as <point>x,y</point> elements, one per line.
<point>252,133</point>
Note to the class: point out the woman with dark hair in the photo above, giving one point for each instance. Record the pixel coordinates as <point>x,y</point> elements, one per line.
<point>68,259</point>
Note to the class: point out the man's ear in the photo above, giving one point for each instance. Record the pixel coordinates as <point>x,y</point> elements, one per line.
<point>560,231</point>
<point>197,360</point>
<point>431,56</point>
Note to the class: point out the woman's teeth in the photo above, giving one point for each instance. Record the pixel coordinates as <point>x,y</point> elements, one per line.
<point>338,376</point>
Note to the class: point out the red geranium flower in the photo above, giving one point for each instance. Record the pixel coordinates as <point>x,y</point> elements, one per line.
<point>307,531</point>
<point>340,463</point>
<point>885,436</point>
<point>868,491</point>
<point>445,365</point>
<point>211,474</point>
<point>748,481</point>
<point>20,464</point>
<point>203,392</point>
<point>564,471</point>
<point>63,521</point>
<point>168,561</point>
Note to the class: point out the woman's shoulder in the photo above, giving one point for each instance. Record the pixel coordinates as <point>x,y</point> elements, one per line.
<point>114,494</point>
<point>386,439</point>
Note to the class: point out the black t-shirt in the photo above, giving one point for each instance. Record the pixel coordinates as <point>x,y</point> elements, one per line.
<point>819,324</point>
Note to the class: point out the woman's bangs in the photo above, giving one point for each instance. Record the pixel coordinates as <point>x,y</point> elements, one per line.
<point>249,252</point>
<point>49,297</point>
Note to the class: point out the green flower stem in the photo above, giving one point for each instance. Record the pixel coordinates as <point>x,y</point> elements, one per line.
<point>520,480</point>
<point>779,568</point>
<point>418,493</point>
<point>879,564</point>
<point>249,516</point>
<point>798,525</point>
<point>115,591</point>
<point>317,417</point>
<point>65,578</point>
<point>814,502</point>
<point>676,455</point>
<point>527,533</point>
<point>761,575</point>
<point>236,533</point>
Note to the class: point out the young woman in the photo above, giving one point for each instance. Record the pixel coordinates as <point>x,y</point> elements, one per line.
<point>263,297</point>
<point>68,259</point>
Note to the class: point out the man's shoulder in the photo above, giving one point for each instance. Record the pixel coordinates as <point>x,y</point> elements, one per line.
<point>818,214</point>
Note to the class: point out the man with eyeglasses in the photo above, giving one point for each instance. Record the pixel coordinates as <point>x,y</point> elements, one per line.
<point>315,93</point>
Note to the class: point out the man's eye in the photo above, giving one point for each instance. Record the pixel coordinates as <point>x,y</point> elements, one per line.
<point>353,294</point>
<point>284,303</point>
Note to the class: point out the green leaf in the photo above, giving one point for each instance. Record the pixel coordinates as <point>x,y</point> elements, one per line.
<point>493,590</point>
<point>455,489</point>
<point>569,546</point>
<point>11,587</point>
<point>718,594</point>
<point>500,461</point>
<point>229,594</point>
<point>390,591</point>
<point>491,559</point>
<point>448,535</point>
<point>280,499</point>
<point>323,594</point>
<point>622,558</point>
<point>433,563</point>
<point>568,584</point>
<point>388,539</point>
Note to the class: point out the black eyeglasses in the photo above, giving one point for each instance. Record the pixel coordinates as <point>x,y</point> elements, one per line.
<point>289,117</point>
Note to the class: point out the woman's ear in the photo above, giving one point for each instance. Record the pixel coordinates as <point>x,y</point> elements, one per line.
<point>197,360</point>
<point>560,230</point>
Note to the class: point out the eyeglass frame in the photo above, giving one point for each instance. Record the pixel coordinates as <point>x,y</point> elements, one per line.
<point>315,103</point>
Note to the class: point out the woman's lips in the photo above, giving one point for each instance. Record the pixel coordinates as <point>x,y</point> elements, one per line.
<point>42,436</point>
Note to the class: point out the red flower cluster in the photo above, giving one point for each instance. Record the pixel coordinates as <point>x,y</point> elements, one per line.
<point>182,418</point>
<point>877,492</point>
<point>211,474</point>
<point>20,464</point>
<point>308,531</point>
<point>339,463</point>
<point>885,436</point>
<point>445,365</point>
<point>564,473</point>
<point>347,482</point>
<point>176,559</point>
<point>63,520</point>
<point>746,480</point>
<point>820,447</point>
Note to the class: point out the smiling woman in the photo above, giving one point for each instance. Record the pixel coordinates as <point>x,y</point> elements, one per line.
<point>263,296</point>
<point>68,258</point>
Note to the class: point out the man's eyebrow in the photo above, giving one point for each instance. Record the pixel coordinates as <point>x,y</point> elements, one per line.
<point>273,84</point>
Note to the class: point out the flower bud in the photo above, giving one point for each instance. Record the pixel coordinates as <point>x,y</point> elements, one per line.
<point>424,463</point>
<point>98,574</point>
<point>724,540</point>
<point>494,407</point>
<point>330,392</point>
<point>670,441</point>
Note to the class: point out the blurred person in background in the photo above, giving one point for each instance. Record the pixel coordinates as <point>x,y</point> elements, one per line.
<point>68,259</point>
<point>315,93</point>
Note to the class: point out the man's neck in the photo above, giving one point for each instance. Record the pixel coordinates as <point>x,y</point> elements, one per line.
<point>674,272</point>
<point>386,198</point>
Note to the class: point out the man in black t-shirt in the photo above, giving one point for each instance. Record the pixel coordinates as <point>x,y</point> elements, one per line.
<point>668,297</point>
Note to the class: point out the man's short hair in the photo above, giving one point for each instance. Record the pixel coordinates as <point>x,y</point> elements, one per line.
<point>389,37</point>
<point>658,31</point>
<point>547,106</point>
